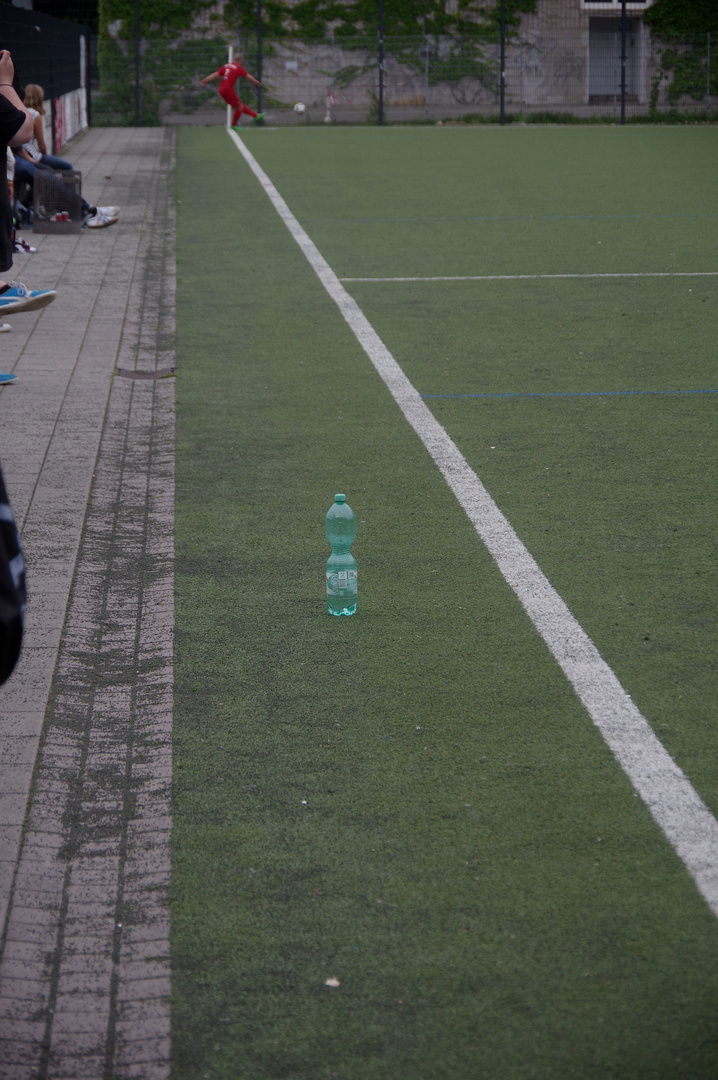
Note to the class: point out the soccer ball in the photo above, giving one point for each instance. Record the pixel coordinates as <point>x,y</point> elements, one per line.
<point>300,107</point>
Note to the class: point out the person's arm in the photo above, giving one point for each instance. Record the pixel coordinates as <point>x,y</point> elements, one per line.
<point>7,74</point>
<point>214,75</point>
<point>22,152</point>
<point>39,135</point>
<point>252,79</point>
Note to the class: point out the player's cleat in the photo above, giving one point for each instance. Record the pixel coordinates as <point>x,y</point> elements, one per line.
<point>259,119</point>
<point>6,378</point>
<point>19,298</point>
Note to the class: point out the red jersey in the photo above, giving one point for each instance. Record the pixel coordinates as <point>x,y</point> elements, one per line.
<point>229,73</point>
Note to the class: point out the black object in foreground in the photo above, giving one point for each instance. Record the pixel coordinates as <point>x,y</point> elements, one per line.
<point>13,595</point>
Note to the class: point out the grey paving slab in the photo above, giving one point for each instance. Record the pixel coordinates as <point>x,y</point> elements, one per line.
<point>17,749</point>
<point>12,804</point>
<point>89,463</point>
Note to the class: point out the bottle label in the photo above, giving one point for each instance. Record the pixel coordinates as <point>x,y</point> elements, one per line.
<point>342,583</point>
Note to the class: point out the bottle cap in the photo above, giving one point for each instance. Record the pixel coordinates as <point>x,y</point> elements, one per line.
<point>340,498</point>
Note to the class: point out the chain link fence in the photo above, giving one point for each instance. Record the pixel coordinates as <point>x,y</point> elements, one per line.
<point>577,74</point>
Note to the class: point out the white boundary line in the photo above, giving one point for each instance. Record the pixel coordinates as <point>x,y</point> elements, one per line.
<point>674,804</point>
<point>539,277</point>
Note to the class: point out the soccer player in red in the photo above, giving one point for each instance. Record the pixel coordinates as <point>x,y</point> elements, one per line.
<point>229,73</point>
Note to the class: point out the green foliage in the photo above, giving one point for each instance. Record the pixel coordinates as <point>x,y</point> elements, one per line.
<point>545,116</point>
<point>319,19</point>
<point>346,75</point>
<point>373,114</point>
<point>655,91</point>
<point>170,72</point>
<point>155,15</point>
<point>167,65</point>
<point>689,66</point>
<point>514,10</point>
<point>464,57</point>
<point>669,17</point>
<point>685,64</point>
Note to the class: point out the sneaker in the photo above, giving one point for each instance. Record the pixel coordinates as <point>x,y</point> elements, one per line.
<point>98,220</point>
<point>109,211</point>
<point>6,378</point>
<point>21,247</point>
<point>5,327</point>
<point>19,298</point>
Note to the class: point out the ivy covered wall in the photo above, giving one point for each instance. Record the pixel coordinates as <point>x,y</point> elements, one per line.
<point>172,53</point>
<point>679,17</point>
<point>349,18</point>
<point>171,15</point>
<point>182,39</point>
<point>682,30</point>
<point>314,18</point>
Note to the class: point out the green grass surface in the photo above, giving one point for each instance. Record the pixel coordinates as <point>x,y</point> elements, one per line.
<point>470,863</point>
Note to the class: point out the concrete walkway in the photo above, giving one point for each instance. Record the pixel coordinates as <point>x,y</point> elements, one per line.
<point>85,722</point>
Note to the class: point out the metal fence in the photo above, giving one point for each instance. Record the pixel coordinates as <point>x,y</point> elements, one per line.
<point>578,74</point>
<point>569,60</point>
<point>444,78</point>
<point>54,54</point>
<point>45,50</point>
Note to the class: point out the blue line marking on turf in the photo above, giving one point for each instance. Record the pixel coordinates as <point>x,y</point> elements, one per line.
<point>580,393</point>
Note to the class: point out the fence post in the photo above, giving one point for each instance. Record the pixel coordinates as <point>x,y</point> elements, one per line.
<point>85,76</point>
<point>708,77</point>
<point>137,63</point>
<point>381,61</point>
<point>623,61</point>
<point>503,58</point>
<point>230,58</point>
<point>521,65</point>
<point>259,55</point>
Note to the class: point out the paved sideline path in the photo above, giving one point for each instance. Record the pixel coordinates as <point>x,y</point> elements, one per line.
<point>88,456</point>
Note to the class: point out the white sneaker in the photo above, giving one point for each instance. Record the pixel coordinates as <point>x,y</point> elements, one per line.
<point>99,221</point>
<point>109,211</point>
<point>5,327</point>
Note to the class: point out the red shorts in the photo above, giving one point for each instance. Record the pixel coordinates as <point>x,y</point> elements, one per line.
<point>227,92</point>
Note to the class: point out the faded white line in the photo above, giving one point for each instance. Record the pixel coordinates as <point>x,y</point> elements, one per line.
<point>539,277</point>
<point>674,804</point>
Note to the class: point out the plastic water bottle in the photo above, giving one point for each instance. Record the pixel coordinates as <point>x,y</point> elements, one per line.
<point>341,529</point>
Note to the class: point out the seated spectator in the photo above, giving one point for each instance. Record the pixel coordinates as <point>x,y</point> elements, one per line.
<point>15,128</point>
<point>18,244</point>
<point>33,155</point>
<point>36,149</point>
<point>94,217</point>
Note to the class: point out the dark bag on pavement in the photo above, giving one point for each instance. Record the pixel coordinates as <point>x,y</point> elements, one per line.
<point>12,588</point>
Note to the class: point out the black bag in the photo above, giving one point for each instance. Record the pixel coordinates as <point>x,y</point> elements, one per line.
<point>13,595</point>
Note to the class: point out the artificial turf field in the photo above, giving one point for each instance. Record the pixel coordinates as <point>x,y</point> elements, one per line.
<point>413,801</point>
